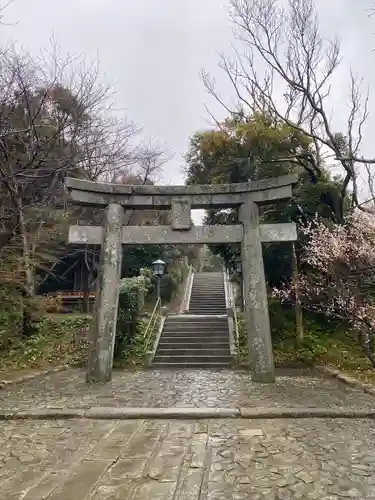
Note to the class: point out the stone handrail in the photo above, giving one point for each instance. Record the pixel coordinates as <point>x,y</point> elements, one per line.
<point>151,324</point>
<point>187,294</point>
<point>230,305</point>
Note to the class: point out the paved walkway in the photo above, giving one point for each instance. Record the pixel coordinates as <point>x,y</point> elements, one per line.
<point>216,459</point>
<point>183,389</point>
<point>187,460</point>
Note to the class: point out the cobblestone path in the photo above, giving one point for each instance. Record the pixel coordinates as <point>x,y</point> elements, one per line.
<point>183,389</point>
<point>187,460</point>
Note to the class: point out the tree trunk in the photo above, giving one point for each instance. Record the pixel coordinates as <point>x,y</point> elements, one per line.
<point>29,279</point>
<point>298,306</point>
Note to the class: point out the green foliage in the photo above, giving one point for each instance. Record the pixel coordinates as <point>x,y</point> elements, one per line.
<point>10,328</point>
<point>243,150</point>
<point>258,147</point>
<point>58,339</point>
<point>171,282</point>
<point>320,335</point>
<point>135,351</point>
<point>130,307</point>
<point>141,256</point>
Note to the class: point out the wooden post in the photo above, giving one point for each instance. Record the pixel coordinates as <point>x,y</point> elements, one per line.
<point>255,297</point>
<point>103,333</point>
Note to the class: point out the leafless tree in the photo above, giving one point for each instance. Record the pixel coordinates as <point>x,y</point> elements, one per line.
<point>284,67</point>
<point>56,119</point>
<point>107,148</point>
<point>149,158</point>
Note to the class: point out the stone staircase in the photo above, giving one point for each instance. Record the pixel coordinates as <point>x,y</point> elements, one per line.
<point>207,294</point>
<point>199,339</point>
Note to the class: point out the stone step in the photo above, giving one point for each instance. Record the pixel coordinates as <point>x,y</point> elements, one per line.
<point>175,318</point>
<point>208,279</point>
<point>207,289</point>
<point>208,307</point>
<point>199,339</point>
<point>182,349</point>
<point>202,327</point>
<point>206,321</point>
<point>196,359</point>
<point>195,341</point>
<point>193,336</point>
<point>209,299</point>
<point>209,292</point>
<point>223,334</point>
<point>204,284</point>
<point>196,326</point>
<point>195,332</point>
<point>200,344</point>
<point>191,351</point>
<point>205,325</point>
<point>211,311</point>
<point>198,320</point>
<point>208,296</point>
<point>192,365</point>
<point>204,303</point>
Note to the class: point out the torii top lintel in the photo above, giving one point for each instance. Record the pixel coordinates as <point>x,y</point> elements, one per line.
<point>198,196</point>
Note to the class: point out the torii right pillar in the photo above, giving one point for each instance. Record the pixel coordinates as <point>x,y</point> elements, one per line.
<point>255,297</point>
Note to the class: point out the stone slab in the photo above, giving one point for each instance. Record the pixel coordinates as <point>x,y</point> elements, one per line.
<point>260,413</point>
<point>162,413</point>
<point>113,413</point>
<point>48,413</point>
<point>242,460</point>
<point>182,389</point>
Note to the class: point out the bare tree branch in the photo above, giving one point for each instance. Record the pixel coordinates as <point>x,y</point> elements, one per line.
<point>284,67</point>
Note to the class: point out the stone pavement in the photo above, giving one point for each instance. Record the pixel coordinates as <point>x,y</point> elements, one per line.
<point>183,388</point>
<point>187,460</point>
<point>207,459</point>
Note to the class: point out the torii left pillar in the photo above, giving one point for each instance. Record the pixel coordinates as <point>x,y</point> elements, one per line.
<point>103,333</point>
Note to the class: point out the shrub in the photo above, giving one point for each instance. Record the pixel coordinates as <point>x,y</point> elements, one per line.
<point>171,282</point>
<point>287,348</point>
<point>10,328</point>
<point>57,340</point>
<point>130,307</point>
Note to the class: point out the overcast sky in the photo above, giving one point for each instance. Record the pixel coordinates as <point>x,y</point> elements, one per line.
<point>152,51</point>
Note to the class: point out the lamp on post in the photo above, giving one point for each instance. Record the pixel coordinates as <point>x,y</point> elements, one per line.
<point>158,270</point>
<point>238,267</point>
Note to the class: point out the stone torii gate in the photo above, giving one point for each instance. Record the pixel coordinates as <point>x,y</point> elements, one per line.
<point>116,199</point>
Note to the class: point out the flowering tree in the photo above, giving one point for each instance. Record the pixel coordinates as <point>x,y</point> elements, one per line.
<point>339,275</point>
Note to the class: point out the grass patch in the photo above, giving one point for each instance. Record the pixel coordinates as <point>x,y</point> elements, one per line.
<point>59,339</point>
<point>63,339</point>
<point>325,343</point>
